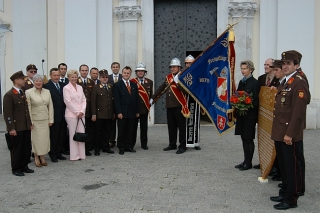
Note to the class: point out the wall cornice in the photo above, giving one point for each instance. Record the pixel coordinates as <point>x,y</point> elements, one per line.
<point>126,13</point>
<point>245,9</point>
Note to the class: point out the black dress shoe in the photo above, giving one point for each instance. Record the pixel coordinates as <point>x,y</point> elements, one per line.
<point>280,185</point>
<point>245,167</point>
<point>108,151</point>
<point>180,151</point>
<point>145,147</point>
<point>277,198</point>
<point>277,178</point>
<point>96,153</point>
<point>300,194</point>
<point>169,148</point>
<point>284,206</point>
<point>18,173</point>
<point>61,157</point>
<point>112,144</point>
<point>130,150</point>
<point>27,170</point>
<point>88,153</point>
<point>239,165</point>
<point>256,166</point>
<point>66,152</point>
<point>121,152</point>
<point>54,160</point>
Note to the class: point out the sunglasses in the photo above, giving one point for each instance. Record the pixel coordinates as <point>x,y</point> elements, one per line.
<point>33,71</point>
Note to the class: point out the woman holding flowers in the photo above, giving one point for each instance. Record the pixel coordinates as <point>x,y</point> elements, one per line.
<point>246,102</point>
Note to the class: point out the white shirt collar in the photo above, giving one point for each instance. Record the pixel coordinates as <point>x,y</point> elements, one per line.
<point>289,76</point>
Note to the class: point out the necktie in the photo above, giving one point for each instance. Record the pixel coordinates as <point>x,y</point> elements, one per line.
<point>283,82</point>
<point>141,81</point>
<point>115,79</point>
<point>268,81</point>
<point>84,82</point>
<point>105,87</point>
<point>58,87</point>
<point>62,80</point>
<point>20,92</point>
<point>128,87</point>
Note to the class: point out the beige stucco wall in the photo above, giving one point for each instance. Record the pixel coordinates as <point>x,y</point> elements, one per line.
<point>316,94</point>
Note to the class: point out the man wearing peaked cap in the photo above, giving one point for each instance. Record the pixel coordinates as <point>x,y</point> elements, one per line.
<point>17,118</point>
<point>299,69</point>
<point>287,131</point>
<point>102,112</point>
<point>31,71</point>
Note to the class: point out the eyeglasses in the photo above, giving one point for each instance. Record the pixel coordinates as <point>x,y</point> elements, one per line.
<point>33,71</point>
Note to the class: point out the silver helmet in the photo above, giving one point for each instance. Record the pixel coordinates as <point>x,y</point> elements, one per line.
<point>175,62</point>
<point>141,66</point>
<point>189,58</point>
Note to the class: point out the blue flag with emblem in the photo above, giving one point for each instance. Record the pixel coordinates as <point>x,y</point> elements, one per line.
<point>208,81</point>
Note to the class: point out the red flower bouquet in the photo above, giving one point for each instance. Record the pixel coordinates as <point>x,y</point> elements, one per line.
<point>242,101</point>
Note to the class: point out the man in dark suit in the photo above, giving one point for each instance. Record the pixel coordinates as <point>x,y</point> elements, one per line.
<point>176,113</point>
<point>268,80</point>
<point>87,85</point>
<point>63,70</point>
<point>127,107</point>
<point>31,71</point>
<point>145,87</point>
<point>57,128</point>
<point>17,118</point>
<point>114,78</point>
<point>290,108</point>
<point>102,112</point>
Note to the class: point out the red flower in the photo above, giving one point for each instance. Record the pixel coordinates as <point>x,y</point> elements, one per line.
<point>241,93</point>
<point>247,100</point>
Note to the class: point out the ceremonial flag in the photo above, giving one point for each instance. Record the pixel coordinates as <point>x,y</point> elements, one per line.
<point>209,81</point>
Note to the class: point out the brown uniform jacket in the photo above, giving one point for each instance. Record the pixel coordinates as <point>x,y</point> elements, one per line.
<point>102,101</point>
<point>27,85</point>
<point>290,109</point>
<point>148,86</point>
<point>171,100</point>
<point>87,93</point>
<point>15,111</point>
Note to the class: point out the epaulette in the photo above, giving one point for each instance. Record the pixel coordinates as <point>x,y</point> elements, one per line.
<point>26,78</point>
<point>299,77</point>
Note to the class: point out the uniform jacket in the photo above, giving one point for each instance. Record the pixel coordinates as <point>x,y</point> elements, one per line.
<point>75,100</point>
<point>15,111</point>
<point>125,103</point>
<point>59,106</point>
<point>102,101</point>
<point>148,86</point>
<point>98,82</point>
<point>40,105</point>
<point>263,79</point>
<point>290,109</point>
<point>87,92</point>
<point>28,84</point>
<point>171,100</point>
<point>110,78</point>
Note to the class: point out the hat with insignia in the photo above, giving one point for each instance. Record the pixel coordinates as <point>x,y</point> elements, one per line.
<point>141,66</point>
<point>289,56</point>
<point>31,66</point>
<point>189,58</point>
<point>17,75</point>
<point>297,53</point>
<point>276,64</point>
<point>103,72</point>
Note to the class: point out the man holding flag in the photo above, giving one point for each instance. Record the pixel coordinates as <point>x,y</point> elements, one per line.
<point>177,107</point>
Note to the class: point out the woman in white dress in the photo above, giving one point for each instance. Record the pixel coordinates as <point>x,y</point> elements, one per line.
<point>41,113</point>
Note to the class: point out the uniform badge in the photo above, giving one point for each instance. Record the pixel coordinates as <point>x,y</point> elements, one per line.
<point>101,86</point>
<point>301,94</point>
<point>283,99</point>
<point>29,82</point>
<point>79,80</point>
<point>290,80</point>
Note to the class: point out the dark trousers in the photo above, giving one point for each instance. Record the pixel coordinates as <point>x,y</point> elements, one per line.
<point>302,165</point>
<point>65,136</point>
<point>176,121</point>
<point>113,131</point>
<point>103,127</point>
<point>21,150</point>
<point>125,129</point>
<point>143,118</point>
<point>248,149</point>
<point>290,170</point>
<point>90,129</point>
<point>56,139</point>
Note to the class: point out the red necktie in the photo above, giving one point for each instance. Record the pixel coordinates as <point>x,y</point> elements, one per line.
<point>268,81</point>
<point>128,87</point>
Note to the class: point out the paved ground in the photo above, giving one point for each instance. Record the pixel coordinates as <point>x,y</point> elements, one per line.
<point>154,180</point>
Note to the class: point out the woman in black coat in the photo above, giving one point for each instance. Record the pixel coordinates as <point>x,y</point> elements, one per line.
<point>246,124</point>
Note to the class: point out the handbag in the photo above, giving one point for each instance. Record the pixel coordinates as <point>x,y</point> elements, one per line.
<point>9,142</point>
<point>80,136</point>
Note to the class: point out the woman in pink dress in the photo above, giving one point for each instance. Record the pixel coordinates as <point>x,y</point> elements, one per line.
<point>75,109</point>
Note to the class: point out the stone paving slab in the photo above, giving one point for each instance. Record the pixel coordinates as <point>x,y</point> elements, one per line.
<point>154,180</point>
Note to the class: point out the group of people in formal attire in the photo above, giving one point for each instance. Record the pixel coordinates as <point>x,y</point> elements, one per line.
<point>289,121</point>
